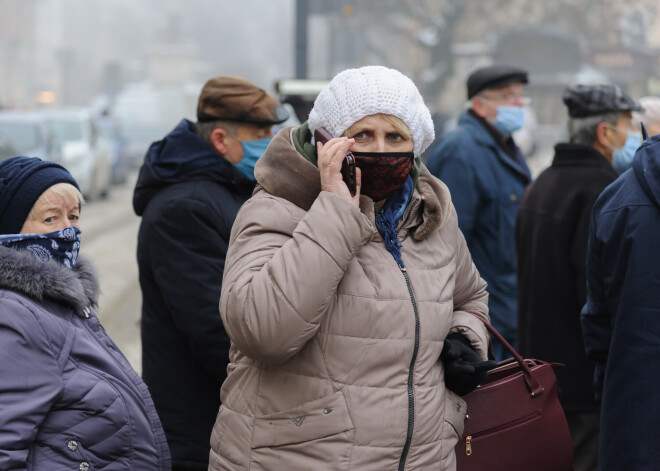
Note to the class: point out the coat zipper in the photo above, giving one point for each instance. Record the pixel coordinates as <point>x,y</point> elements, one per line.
<point>413,360</point>
<point>410,211</point>
<point>411,371</point>
<point>476,436</point>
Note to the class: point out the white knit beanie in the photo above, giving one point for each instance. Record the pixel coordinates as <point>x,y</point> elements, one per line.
<point>355,93</point>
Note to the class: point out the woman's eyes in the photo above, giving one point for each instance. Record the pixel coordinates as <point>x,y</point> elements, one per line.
<point>74,217</point>
<point>49,220</point>
<point>391,136</point>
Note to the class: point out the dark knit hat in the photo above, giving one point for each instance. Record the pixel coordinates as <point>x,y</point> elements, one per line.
<point>237,99</point>
<point>495,76</point>
<point>22,182</point>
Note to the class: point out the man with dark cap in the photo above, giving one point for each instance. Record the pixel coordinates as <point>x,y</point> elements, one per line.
<point>551,235</point>
<point>189,189</point>
<point>486,174</point>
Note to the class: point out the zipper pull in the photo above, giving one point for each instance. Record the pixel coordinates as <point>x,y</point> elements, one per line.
<point>468,445</point>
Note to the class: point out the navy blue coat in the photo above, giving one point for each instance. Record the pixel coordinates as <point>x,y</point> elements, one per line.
<point>68,398</point>
<point>621,320</point>
<point>486,185</point>
<point>188,196</point>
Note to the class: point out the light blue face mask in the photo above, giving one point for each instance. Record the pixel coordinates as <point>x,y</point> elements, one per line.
<point>622,158</point>
<point>252,151</point>
<point>509,119</point>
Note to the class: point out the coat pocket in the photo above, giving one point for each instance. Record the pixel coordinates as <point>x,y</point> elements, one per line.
<point>311,421</point>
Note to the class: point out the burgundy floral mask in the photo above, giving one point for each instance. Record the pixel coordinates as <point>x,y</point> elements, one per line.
<point>383,173</point>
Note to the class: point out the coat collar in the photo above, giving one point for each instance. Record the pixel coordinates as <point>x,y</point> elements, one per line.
<point>284,173</point>
<point>483,137</point>
<point>577,154</point>
<point>76,288</point>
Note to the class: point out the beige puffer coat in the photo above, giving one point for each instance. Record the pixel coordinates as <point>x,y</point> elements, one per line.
<point>335,349</point>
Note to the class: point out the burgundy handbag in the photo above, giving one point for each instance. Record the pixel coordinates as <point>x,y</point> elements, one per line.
<point>514,420</point>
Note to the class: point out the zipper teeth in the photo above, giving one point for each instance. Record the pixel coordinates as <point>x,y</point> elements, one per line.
<point>513,423</point>
<point>411,394</point>
<point>412,207</point>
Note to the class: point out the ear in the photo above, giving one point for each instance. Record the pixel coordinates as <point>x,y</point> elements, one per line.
<point>478,107</point>
<point>218,140</point>
<point>602,134</point>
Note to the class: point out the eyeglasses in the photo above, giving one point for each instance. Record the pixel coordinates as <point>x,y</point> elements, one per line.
<point>508,98</point>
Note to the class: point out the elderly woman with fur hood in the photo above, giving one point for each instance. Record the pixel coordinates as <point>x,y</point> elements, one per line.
<point>356,320</point>
<point>68,398</point>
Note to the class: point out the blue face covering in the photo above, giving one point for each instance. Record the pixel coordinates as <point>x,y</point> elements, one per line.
<point>252,151</point>
<point>61,246</point>
<point>622,158</point>
<point>509,119</point>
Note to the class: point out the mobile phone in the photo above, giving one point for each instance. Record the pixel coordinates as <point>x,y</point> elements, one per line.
<point>348,165</point>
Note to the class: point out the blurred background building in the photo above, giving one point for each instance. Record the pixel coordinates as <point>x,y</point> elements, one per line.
<point>146,61</point>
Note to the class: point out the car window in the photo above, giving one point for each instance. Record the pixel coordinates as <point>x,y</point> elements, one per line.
<point>20,137</point>
<point>65,130</point>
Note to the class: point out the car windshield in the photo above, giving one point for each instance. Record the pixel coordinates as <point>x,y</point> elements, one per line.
<point>65,130</point>
<point>19,137</point>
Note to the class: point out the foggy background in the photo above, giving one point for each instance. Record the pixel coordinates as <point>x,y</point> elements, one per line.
<point>57,53</point>
<point>134,68</point>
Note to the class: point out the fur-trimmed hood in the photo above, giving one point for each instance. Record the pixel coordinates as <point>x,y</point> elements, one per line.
<point>77,288</point>
<point>284,173</point>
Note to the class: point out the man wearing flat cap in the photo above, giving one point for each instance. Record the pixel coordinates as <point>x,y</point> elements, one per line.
<point>486,174</point>
<point>190,187</point>
<point>551,234</point>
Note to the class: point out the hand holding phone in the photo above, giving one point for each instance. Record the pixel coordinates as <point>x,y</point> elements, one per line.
<point>348,165</point>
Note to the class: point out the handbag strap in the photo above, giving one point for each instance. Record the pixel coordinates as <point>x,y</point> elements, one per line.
<point>533,384</point>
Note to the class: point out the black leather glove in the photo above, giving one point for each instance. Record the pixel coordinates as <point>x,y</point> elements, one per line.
<point>464,369</point>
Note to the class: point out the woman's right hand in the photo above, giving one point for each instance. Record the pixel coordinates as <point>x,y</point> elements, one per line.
<point>330,159</point>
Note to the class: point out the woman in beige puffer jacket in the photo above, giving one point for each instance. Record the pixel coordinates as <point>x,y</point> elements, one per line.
<point>336,336</point>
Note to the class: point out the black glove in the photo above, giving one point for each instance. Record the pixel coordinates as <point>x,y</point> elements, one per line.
<point>464,369</point>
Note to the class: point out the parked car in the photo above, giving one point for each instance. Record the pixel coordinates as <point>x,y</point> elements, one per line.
<point>82,150</point>
<point>24,134</point>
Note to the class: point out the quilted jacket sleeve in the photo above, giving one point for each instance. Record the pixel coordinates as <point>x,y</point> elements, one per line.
<point>283,268</point>
<point>30,381</point>
<point>470,297</point>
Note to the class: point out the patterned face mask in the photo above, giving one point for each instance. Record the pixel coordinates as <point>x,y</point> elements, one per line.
<point>61,246</point>
<point>383,173</point>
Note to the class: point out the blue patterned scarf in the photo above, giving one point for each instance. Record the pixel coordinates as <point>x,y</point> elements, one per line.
<point>389,215</point>
<point>61,246</point>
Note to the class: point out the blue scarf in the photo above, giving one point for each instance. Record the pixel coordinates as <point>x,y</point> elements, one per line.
<point>61,246</point>
<point>389,215</point>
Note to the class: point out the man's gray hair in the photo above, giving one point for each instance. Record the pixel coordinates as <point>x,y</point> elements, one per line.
<point>651,113</point>
<point>205,129</point>
<point>583,130</point>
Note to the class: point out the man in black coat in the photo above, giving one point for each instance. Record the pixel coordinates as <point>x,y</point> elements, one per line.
<point>551,236</point>
<point>190,187</point>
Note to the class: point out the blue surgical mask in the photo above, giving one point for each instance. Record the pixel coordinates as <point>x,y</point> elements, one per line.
<point>622,158</point>
<point>509,119</point>
<point>61,246</point>
<point>252,151</point>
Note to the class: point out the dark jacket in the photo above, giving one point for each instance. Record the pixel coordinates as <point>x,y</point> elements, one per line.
<point>551,237</point>
<point>68,398</point>
<point>621,321</point>
<point>188,197</point>
<point>486,184</point>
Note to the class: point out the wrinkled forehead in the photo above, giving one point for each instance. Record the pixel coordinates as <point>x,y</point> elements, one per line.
<point>56,197</point>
